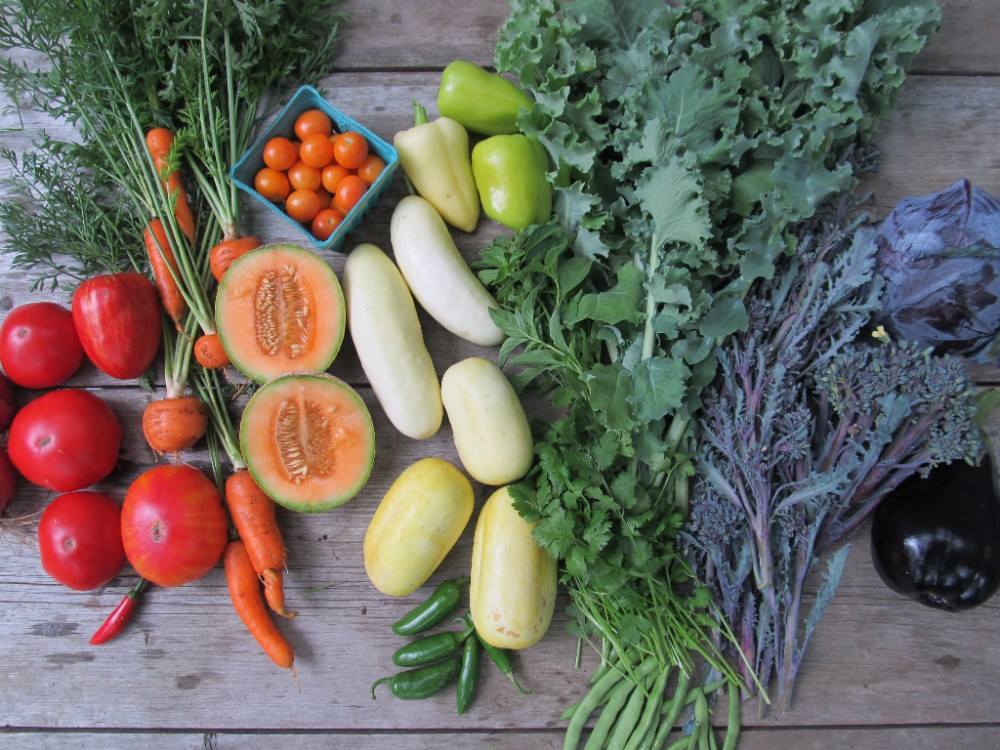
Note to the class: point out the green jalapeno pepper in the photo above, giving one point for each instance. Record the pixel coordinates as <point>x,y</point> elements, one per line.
<point>416,684</point>
<point>438,606</point>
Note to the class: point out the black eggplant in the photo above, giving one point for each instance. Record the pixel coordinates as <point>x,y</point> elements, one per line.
<point>937,540</point>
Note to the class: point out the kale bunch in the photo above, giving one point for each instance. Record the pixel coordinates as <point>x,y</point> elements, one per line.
<point>807,428</point>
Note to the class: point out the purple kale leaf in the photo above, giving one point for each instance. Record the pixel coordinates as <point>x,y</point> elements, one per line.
<point>940,256</point>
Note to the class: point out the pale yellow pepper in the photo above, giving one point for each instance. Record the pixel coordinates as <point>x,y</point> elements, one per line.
<point>435,157</point>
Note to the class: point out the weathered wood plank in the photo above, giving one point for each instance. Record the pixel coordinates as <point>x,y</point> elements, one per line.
<point>943,129</point>
<point>187,661</point>
<point>917,738</point>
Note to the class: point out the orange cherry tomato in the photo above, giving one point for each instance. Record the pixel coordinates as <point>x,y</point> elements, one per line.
<point>302,205</point>
<point>280,153</point>
<point>304,177</point>
<point>312,121</point>
<point>272,184</point>
<point>332,175</point>
<point>325,222</point>
<point>350,149</point>
<point>316,150</point>
<point>325,198</point>
<point>370,168</point>
<point>349,192</point>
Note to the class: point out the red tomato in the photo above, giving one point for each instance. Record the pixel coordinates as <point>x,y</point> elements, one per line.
<point>117,318</point>
<point>332,175</point>
<point>350,149</point>
<point>8,480</point>
<point>280,153</point>
<point>302,205</point>
<point>65,440</point>
<point>311,122</point>
<point>173,525</point>
<point>349,192</point>
<point>272,184</point>
<point>304,177</point>
<point>371,168</point>
<point>39,347</point>
<point>325,222</point>
<point>316,150</point>
<point>7,406</point>
<point>80,540</point>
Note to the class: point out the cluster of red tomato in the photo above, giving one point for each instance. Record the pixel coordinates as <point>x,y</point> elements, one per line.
<point>67,440</point>
<point>64,441</point>
<point>319,178</point>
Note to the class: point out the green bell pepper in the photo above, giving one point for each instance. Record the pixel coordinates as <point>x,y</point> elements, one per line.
<point>510,177</point>
<point>482,101</point>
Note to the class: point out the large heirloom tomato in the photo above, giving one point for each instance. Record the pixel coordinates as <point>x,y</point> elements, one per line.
<point>80,540</point>
<point>39,347</point>
<point>173,525</point>
<point>117,317</point>
<point>65,440</point>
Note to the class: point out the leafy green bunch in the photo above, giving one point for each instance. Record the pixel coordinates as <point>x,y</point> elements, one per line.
<point>806,431</point>
<point>688,142</point>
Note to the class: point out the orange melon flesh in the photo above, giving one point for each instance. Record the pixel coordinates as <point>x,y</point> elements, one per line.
<point>308,441</point>
<point>280,310</point>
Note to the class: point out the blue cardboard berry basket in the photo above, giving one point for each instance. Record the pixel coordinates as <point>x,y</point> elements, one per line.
<point>242,173</point>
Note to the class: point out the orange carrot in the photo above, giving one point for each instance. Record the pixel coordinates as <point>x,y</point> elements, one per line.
<point>174,424</point>
<point>209,352</point>
<point>159,141</point>
<point>244,589</point>
<point>223,254</point>
<point>253,515</point>
<point>162,260</point>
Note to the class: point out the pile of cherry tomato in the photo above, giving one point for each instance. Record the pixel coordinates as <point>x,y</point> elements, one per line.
<point>321,176</point>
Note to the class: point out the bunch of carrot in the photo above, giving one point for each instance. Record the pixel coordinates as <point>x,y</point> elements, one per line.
<point>259,554</point>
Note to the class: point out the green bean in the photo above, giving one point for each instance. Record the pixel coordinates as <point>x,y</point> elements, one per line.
<point>701,721</point>
<point>608,716</point>
<point>628,718</point>
<point>682,744</point>
<point>650,713</point>
<point>672,712</point>
<point>733,728</point>
<point>593,699</point>
<point>710,731</point>
<point>568,713</point>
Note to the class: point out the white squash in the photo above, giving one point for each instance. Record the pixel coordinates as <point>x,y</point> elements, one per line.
<point>512,590</point>
<point>438,275</point>
<point>491,430</point>
<point>386,334</point>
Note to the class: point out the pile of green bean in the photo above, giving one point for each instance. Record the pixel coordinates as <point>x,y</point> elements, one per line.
<point>638,713</point>
<point>435,661</point>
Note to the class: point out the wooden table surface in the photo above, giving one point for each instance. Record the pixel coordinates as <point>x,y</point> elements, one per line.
<point>881,672</point>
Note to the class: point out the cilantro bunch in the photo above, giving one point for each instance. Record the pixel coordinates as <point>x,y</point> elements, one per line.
<point>689,143</point>
<point>803,435</point>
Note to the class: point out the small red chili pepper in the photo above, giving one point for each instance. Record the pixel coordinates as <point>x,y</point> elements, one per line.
<point>119,616</point>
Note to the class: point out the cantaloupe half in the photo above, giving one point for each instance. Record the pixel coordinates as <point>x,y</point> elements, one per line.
<point>308,441</point>
<point>280,310</point>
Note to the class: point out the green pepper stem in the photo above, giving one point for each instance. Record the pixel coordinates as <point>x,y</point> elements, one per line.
<point>377,683</point>
<point>419,114</point>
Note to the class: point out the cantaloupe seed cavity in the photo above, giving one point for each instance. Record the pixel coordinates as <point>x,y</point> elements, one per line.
<point>305,439</point>
<point>282,316</point>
